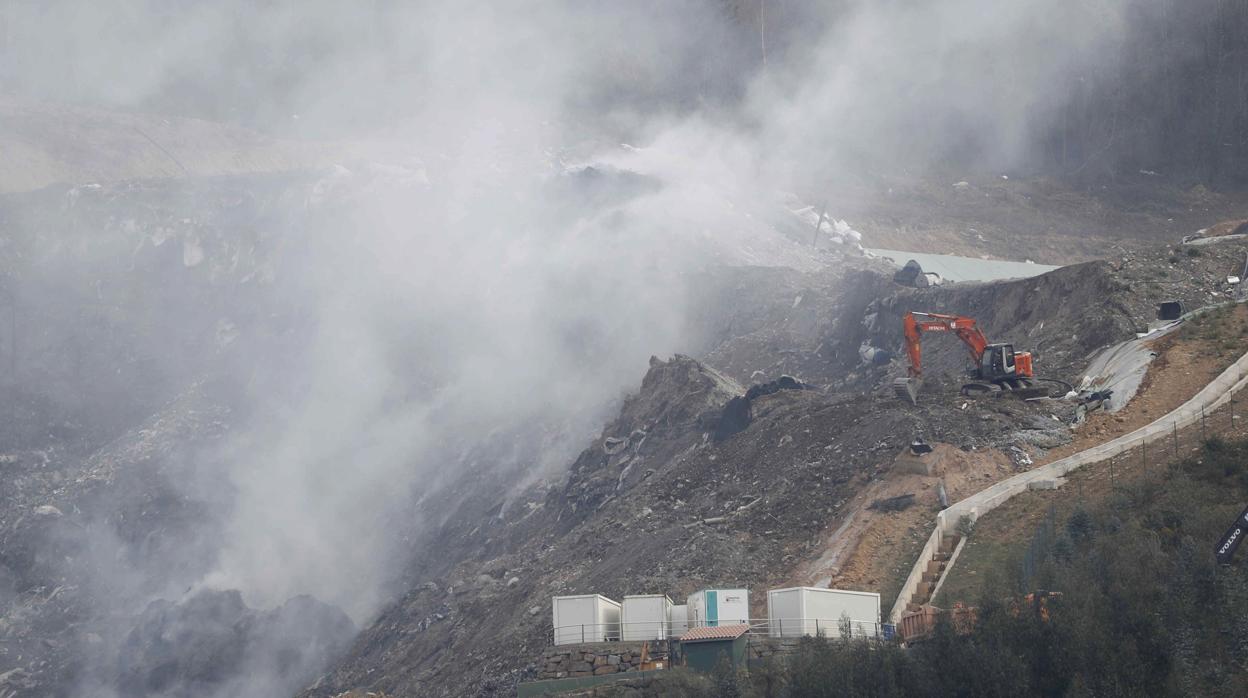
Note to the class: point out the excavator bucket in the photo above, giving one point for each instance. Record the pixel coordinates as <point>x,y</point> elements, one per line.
<point>907,389</point>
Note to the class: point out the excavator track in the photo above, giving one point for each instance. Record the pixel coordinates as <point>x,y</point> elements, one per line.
<point>978,390</point>
<point>1054,387</point>
<point>1021,388</point>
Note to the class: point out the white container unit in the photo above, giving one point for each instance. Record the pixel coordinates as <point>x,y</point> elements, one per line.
<point>645,617</point>
<point>810,611</point>
<point>678,620</point>
<point>585,618</point>
<point>714,607</point>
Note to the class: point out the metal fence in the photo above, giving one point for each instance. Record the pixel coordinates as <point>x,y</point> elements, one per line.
<point>1039,546</point>
<point>832,628</point>
<point>1213,410</point>
<point>1186,436</point>
<point>615,632</point>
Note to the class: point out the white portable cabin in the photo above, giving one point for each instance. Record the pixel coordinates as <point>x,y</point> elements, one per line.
<point>585,618</point>
<point>810,611</point>
<point>645,617</point>
<point>678,620</point>
<point>714,607</point>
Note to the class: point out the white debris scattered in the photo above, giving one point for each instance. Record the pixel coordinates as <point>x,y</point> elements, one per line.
<point>227,332</point>
<point>192,252</point>
<point>841,230</point>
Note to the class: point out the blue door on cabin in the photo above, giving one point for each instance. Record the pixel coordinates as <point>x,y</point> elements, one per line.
<point>712,609</point>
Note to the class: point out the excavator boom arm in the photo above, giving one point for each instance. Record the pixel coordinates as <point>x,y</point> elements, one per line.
<point>914,324</point>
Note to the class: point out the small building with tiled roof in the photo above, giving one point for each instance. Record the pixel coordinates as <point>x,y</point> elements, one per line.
<point>721,632</point>
<point>704,648</point>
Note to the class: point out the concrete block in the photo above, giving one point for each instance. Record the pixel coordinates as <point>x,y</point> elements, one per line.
<point>1046,484</point>
<point>925,464</point>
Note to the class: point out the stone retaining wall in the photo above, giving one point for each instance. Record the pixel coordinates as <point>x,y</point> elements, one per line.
<point>597,659</point>
<point>761,647</point>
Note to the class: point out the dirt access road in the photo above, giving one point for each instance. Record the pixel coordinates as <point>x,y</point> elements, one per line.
<point>1187,361</point>
<point>868,549</point>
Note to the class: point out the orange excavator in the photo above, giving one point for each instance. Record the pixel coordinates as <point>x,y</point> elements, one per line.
<point>997,368</point>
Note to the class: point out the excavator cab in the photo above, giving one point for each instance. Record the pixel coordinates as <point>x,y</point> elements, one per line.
<point>1001,364</point>
<point>997,362</point>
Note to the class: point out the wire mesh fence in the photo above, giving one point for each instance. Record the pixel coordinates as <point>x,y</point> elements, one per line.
<point>832,628</point>
<point>1185,435</point>
<point>1039,546</point>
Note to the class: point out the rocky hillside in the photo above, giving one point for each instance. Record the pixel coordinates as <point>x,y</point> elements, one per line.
<point>671,497</point>
<point>184,302</point>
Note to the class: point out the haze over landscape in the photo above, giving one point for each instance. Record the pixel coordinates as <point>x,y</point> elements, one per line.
<point>337,339</point>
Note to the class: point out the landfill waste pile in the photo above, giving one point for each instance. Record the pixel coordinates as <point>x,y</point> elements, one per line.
<point>337,338</point>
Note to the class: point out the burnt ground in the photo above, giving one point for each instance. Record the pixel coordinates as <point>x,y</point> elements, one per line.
<point>679,513</point>
<point>105,425</point>
<point>657,504</point>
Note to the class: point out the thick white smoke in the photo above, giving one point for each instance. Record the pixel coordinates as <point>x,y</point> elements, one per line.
<point>466,280</point>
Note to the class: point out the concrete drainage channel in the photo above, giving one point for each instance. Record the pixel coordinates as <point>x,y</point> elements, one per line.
<point>942,548</point>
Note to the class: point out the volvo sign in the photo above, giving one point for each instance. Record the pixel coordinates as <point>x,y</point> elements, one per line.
<point>1232,538</point>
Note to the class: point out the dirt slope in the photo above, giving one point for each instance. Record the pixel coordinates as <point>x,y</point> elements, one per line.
<point>44,143</point>
<point>1042,219</point>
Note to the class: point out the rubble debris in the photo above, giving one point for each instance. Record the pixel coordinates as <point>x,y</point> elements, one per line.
<point>911,274</point>
<point>781,383</point>
<point>1044,438</point>
<point>1022,460</point>
<point>734,419</point>
<point>874,355</point>
<point>898,503</point>
<point>193,646</point>
<point>15,682</point>
<point>613,445</point>
<point>1091,402</point>
<point>1226,230</point>
<point>737,414</point>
